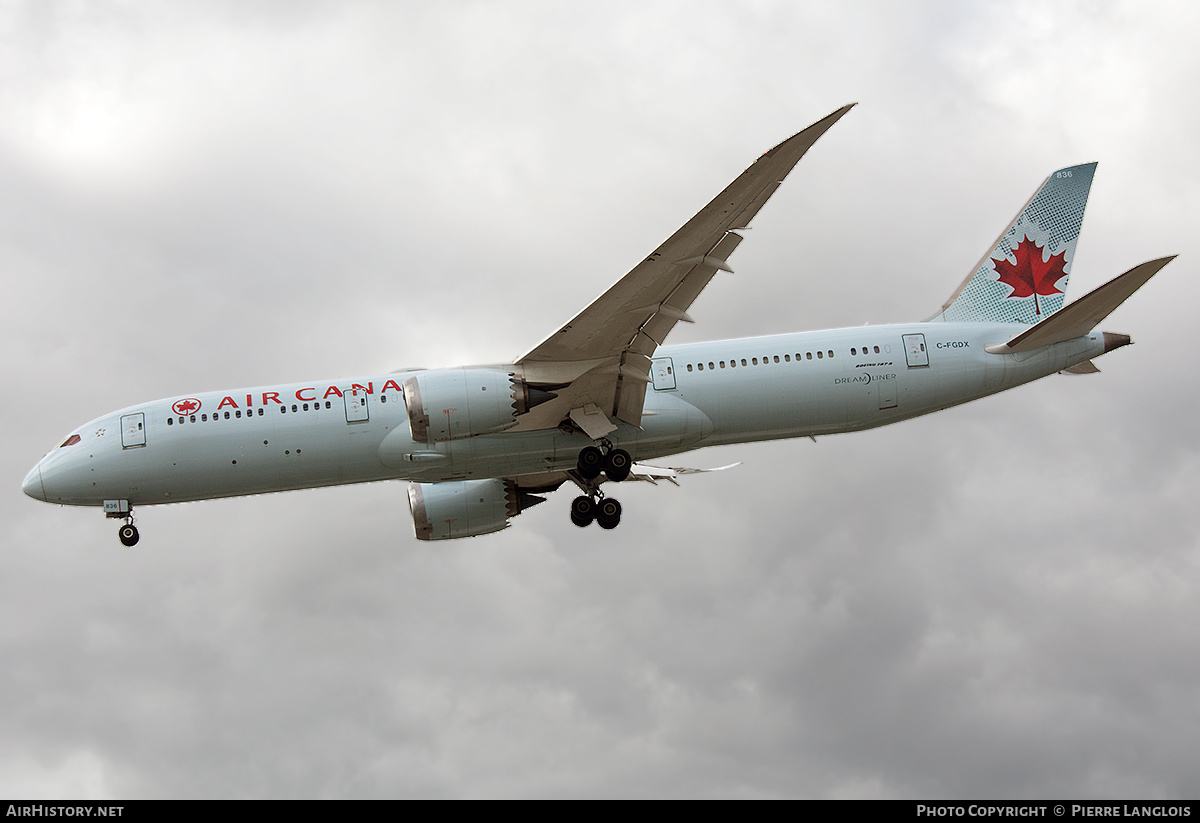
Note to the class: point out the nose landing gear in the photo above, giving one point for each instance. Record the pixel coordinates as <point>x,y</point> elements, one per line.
<point>121,509</point>
<point>128,532</point>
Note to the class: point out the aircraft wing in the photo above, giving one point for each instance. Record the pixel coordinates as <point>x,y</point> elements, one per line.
<point>598,364</point>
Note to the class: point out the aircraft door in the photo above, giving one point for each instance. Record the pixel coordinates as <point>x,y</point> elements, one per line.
<point>133,430</point>
<point>357,410</point>
<point>914,350</point>
<point>663,372</point>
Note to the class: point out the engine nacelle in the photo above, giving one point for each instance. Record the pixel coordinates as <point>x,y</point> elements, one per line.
<point>450,404</point>
<point>465,508</point>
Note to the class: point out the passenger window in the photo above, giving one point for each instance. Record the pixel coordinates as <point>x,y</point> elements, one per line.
<point>204,418</point>
<point>808,355</point>
<point>306,407</point>
<point>192,418</point>
<point>754,360</point>
<point>700,366</point>
<point>238,414</point>
<point>689,366</point>
<point>853,351</point>
<point>776,358</point>
<point>294,407</point>
<point>170,422</point>
<point>787,358</point>
<point>326,404</point>
<point>722,364</point>
<point>831,352</point>
<point>877,350</point>
<point>820,354</point>
<point>710,365</point>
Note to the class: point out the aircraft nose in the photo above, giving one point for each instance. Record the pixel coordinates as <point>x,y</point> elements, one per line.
<point>33,484</point>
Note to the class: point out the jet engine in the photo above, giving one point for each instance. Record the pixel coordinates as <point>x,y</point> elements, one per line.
<point>450,404</point>
<point>465,508</point>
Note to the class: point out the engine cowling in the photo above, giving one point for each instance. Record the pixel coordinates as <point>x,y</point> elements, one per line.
<point>450,404</point>
<point>465,508</point>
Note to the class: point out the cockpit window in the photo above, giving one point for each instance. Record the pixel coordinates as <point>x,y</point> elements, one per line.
<point>71,441</point>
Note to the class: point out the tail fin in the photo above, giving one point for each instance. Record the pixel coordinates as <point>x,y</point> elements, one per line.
<point>1023,279</point>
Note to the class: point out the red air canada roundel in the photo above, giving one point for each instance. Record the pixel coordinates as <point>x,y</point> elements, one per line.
<point>188,405</point>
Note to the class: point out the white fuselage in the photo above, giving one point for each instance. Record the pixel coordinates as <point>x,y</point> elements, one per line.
<point>356,430</point>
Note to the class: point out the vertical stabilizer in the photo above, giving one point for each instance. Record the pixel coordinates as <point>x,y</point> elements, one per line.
<point>1023,279</point>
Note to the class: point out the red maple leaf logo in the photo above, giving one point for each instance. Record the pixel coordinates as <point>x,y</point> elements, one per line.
<point>1031,275</point>
<point>186,406</point>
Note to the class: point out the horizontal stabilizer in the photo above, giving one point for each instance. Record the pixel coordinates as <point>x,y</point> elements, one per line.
<point>1084,314</point>
<point>653,474</point>
<point>1086,367</point>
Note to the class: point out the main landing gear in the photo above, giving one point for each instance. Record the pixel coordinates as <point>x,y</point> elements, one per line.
<point>606,511</point>
<point>615,463</point>
<point>593,505</point>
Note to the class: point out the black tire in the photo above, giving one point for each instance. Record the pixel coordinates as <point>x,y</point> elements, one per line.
<point>591,462</point>
<point>128,534</point>
<point>617,465</point>
<point>583,511</point>
<point>608,513</point>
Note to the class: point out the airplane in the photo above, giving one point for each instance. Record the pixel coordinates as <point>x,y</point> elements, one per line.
<point>480,444</point>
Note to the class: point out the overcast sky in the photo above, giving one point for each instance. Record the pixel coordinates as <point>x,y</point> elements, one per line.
<point>997,600</point>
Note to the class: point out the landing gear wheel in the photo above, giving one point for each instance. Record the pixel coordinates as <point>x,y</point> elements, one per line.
<point>608,513</point>
<point>617,464</point>
<point>591,462</point>
<point>128,534</point>
<point>583,511</point>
